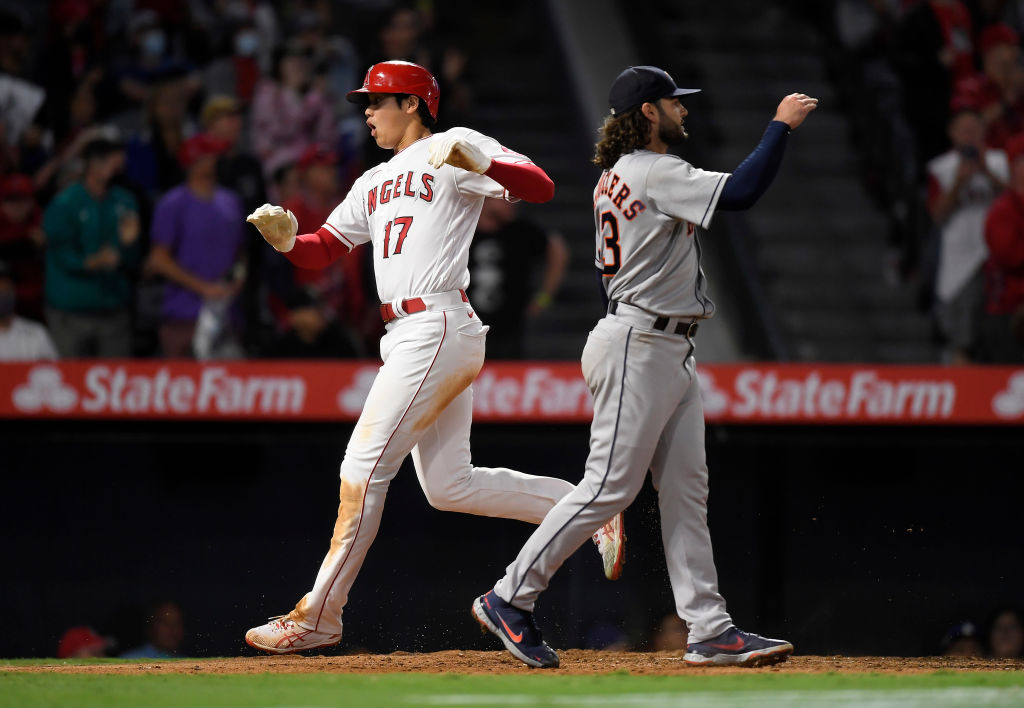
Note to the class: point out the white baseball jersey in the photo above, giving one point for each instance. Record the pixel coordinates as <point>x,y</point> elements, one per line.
<point>646,209</point>
<point>963,248</point>
<point>420,220</point>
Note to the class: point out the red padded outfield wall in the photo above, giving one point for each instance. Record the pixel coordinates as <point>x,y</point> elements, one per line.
<point>551,392</point>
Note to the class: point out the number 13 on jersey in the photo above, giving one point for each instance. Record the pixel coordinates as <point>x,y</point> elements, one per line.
<point>609,255</point>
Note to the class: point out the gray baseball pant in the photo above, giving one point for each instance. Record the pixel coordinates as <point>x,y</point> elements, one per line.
<point>647,415</point>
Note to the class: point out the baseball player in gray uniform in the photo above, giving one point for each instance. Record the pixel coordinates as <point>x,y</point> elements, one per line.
<point>639,365</point>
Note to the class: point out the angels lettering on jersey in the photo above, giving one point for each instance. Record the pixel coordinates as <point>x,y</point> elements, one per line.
<point>420,220</point>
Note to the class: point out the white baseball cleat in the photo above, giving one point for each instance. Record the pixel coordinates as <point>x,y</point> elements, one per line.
<point>611,544</point>
<point>284,636</point>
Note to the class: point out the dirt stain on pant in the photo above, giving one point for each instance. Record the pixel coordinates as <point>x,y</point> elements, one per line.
<point>349,509</point>
<point>446,393</point>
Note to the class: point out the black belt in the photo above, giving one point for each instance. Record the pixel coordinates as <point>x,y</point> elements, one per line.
<point>661,323</point>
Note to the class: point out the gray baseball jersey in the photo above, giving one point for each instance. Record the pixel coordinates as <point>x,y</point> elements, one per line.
<point>646,209</point>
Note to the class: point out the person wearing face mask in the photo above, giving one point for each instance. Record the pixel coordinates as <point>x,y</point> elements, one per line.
<point>20,339</point>
<point>153,60</point>
<point>237,74</point>
<point>92,232</point>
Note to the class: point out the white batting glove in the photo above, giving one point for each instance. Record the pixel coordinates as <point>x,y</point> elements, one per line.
<point>278,226</point>
<point>458,153</point>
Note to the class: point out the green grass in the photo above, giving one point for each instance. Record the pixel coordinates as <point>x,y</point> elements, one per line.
<point>763,690</point>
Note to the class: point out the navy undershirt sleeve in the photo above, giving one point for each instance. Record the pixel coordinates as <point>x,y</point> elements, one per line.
<point>600,286</point>
<point>752,177</point>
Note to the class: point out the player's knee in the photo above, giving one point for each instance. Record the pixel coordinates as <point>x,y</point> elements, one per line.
<point>451,495</point>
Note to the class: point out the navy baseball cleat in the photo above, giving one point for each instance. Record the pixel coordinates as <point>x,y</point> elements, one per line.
<point>734,647</point>
<point>516,629</point>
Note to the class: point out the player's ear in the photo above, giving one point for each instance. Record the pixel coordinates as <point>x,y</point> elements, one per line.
<point>411,104</point>
<point>650,111</point>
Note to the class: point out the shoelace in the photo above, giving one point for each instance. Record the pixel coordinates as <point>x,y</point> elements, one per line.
<point>281,620</point>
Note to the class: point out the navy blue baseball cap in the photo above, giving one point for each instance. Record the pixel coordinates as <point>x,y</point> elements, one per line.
<point>642,84</point>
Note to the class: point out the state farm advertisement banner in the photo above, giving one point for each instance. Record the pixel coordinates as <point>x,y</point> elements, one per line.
<point>551,392</point>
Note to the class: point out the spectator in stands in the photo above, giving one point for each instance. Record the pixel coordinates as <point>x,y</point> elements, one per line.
<point>962,183</point>
<point>165,632</point>
<point>153,153</point>
<point>310,332</point>
<point>962,640</point>
<point>402,38</point>
<point>336,291</point>
<point>62,164</point>
<point>935,51</point>
<point>1006,635</point>
<point>289,112</point>
<point>82,643</point>
<point>1002,335</point>
<point>197,242</point>
<point>505,251</point>
<point>20,96</point>
<point>21,242</point>
<point>20,339</point>
<point>92,231</point>
<point>997,91</point>
<point>237,170</point>
<point>333,56</point>
<point>151,61</point>
<point>237,74</point>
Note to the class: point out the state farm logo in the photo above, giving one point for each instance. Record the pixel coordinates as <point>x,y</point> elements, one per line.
<point>713,399</point>
<point>537,392</point>
<point>352,398</point>
<point>1010,403</point>
<point>859,395</point>
<point>210,390</point>
<point>45,389</point>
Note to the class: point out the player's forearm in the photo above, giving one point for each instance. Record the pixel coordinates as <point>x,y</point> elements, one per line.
<point>523,180</point>
<point>316,250</point>
<point>752,177</point>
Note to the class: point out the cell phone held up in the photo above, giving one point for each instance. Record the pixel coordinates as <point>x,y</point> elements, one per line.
<point>969,153</point>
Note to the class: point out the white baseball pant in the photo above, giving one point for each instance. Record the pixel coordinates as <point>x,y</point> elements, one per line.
<point>421,402</point>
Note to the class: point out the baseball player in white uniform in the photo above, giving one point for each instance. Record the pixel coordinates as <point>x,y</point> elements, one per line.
<point>639,365</point>
<point>419,211</point>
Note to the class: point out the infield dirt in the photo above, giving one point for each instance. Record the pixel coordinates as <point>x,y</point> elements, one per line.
<point>574,661</point>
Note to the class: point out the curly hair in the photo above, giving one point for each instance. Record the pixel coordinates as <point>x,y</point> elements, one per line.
<point>620,135</point>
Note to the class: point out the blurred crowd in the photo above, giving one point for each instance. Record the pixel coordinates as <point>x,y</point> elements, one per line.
<point>1000,637</point>
<point>936,89</point>
<point>135,136</point>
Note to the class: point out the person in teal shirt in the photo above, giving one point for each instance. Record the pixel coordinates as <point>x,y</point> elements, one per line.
<point>92,233</point>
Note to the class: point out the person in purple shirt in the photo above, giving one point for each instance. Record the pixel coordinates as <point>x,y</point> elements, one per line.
<point>197,242</point>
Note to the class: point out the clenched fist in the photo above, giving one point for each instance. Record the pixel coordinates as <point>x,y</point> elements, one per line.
<point>278,226</point>
<point>794,108</point>
<point>459,153</point>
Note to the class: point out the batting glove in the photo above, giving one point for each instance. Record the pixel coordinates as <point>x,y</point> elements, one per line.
<point>278,226</point>
<point>458,153</point>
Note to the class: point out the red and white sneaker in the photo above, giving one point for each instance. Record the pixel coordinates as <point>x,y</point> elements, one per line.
<point>611,544</point>
<point>284,636</point>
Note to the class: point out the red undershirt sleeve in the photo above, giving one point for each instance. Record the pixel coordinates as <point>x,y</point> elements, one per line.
<point>523,180</point>
<point>316,250</point>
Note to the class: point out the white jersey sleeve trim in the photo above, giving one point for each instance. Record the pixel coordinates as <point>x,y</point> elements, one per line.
<point>340,236</point>
<point>709,213</point>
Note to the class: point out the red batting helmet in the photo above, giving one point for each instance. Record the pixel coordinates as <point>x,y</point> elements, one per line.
<point>399,77</point>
